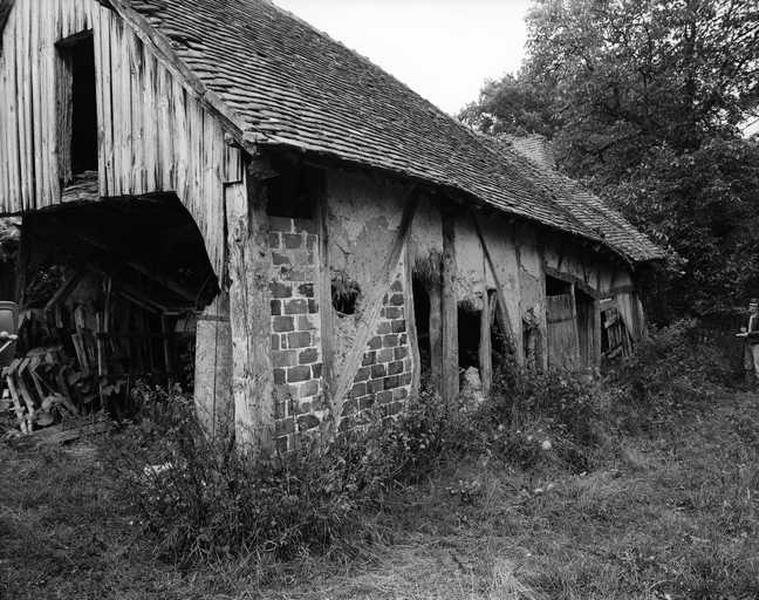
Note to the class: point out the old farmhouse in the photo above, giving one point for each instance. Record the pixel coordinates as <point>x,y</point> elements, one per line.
<point>219,179</point>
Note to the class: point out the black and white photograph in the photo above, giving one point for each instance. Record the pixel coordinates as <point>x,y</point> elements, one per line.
<point>379,299</point>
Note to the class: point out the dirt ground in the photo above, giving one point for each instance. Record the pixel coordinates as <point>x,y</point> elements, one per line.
<point>674,516</point>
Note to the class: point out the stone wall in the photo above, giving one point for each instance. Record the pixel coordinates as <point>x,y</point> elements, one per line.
<point>295,329</point>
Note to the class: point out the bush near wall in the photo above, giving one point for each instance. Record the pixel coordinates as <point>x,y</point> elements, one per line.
<point>201,501</point>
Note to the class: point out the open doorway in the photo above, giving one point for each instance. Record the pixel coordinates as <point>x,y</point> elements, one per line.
<point>111,293</point>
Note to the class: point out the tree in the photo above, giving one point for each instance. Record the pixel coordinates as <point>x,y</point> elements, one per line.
<point>643,101</point>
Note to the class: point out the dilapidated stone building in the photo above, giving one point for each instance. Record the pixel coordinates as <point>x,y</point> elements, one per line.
<point>327,235</point>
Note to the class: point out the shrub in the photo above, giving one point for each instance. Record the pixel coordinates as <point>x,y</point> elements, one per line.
<point>672,373</point>
<point>200,500</point>
<point>537,418</point>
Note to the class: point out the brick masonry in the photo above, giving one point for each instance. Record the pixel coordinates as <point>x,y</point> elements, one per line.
<point>383,382</point>
<point>295,329</point>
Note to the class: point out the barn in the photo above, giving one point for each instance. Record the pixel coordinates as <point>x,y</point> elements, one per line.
<point>223,173</point>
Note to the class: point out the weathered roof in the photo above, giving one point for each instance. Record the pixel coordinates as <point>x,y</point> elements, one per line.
<point>585,206</point>
<point>287,84</point>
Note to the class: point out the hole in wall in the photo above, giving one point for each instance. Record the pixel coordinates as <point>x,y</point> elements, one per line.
<point>469,335</point>
<point>422,318</point>
<point>77,111</point>
<point>557,287</point>
<point>291,191</point>
<point>345,294</point>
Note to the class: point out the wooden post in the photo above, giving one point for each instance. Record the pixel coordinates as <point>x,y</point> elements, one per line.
<point>250,314</point>
<point>413,339</point>
<point>596,333</point>
<point>450,341</point>
<point>213,369</point>
<point>503,308</point>
<point>436,336</point>
<point>575,326</point>
<point>486,345</point>
<point>326,314</point>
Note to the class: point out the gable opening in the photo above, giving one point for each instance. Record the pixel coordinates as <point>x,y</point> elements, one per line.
<point>77,107</point>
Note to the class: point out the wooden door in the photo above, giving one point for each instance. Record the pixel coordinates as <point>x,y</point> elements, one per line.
<point>563,344</point>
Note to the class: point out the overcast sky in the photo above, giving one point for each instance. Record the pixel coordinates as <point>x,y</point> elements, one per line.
<point>442,49</point>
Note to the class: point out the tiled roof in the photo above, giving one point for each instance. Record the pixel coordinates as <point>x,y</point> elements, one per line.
<point>586,207</point>
<point>288,84</point>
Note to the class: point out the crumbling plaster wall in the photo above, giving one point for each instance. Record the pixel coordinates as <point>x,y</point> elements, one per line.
<point>363,216</point>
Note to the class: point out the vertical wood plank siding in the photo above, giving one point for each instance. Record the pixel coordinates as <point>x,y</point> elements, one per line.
<point>153,133</point>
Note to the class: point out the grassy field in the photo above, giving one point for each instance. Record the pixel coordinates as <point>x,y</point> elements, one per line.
<point>671,516</point>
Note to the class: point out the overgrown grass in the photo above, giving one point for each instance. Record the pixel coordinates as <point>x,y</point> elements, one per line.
<point>642,486</point>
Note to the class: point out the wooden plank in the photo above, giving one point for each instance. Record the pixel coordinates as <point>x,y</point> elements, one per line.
<point>100,97</point>
<point>181,141</point>
<point>164,51</point>
<point>449,309</point>
<point>413,338</point>
<point>503,308</point>
<point>250,316</point>
<point>117,104</point>
<point>366,324</point>
<point>597,333</point>
<point>326,313</point>
<point>166,129</point>
<point>136,111</point>
<point>106,29</point>
<point>49,115</point>
<point>5,148</point>
<point>436,335</point>
<point>213,369</point>
<point>486,345</point>
<point>13,116</point>
<point>150,152</point>
<point>125,139</point>
<point>563,348</point>
<point>23,51</point>
<point>35,94</point>
<point>9,132</point>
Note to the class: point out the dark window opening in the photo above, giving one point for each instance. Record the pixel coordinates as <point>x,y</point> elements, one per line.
<point>345,294</point>
<point>78,126</point>
<point>291,193</point>
<point>469,336</point>
<point>557,287</point>
<point>422,318</point>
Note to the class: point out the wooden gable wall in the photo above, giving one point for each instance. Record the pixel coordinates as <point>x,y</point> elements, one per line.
<point>154,135</point>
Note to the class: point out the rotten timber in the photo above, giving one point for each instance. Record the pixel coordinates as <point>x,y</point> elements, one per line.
<point>249,262</point>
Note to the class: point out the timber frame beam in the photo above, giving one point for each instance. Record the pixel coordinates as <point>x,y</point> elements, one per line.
<point>249,310</point>
<point>367,322</point>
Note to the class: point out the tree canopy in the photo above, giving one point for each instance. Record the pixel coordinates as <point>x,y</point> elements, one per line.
<point>644,101</point>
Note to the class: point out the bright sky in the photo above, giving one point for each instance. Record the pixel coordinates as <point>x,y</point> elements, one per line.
<point>442,49</point>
